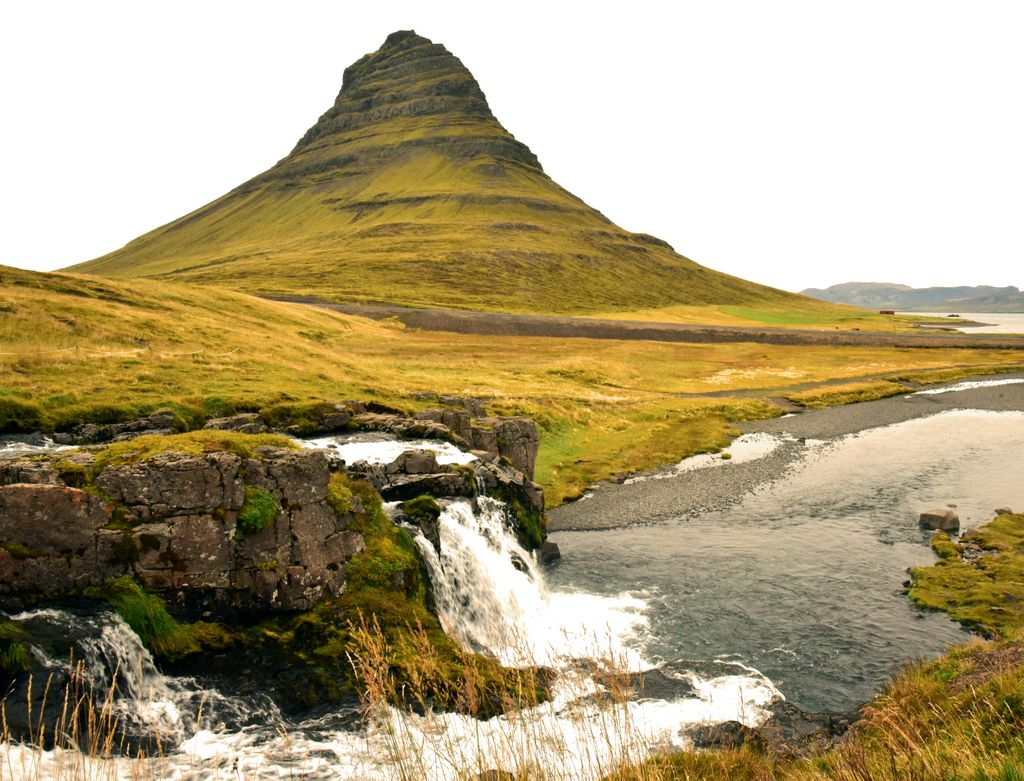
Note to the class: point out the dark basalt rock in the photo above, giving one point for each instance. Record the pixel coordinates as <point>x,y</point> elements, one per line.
<point>787,732</point>
<point>162,422</point>
<point>942,519</point>
<point>549,553</point>
<point>177,531</point>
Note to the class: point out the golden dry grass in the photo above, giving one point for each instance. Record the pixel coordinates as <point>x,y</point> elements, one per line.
<point>79,348</point>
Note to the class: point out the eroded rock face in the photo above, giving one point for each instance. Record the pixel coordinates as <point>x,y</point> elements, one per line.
<point>52,539</point>
<point>243,423</point>
<point>178,534</point>
<point>455,419</point>
<point>515,439</point>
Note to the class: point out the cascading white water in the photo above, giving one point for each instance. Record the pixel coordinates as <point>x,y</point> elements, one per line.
<point>491,596</point>
<point>107,658</point>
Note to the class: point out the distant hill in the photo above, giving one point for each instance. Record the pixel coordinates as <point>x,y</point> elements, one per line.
<point>883,295</point>
<point>409,191</point>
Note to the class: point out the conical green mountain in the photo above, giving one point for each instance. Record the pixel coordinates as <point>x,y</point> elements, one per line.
<point>408,190</point>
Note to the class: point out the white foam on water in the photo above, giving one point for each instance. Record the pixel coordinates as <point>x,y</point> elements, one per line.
<point>962,386</point>
<point>575,737</point>
<point>46,445</point>
<point>491,594</point>
<point>748,447</point>
<point>373,449</point>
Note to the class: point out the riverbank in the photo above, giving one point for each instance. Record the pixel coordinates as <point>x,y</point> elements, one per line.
<point>664,493</point>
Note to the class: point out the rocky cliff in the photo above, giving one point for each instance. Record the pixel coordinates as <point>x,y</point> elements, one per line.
<point>248,523</point>
<point>178,523</point>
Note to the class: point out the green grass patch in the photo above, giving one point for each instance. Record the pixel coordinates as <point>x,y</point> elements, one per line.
<point>986,594</point>
<point>147,615</point>
<point>15,656</point>
<point>259,509</point>
<point>146,447</point>
<point>21,415</point>
<point>957,373</point>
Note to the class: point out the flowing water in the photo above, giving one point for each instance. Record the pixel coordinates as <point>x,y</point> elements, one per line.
<point>381,448</point>
<point>803,580</point>
<point>794,592</point>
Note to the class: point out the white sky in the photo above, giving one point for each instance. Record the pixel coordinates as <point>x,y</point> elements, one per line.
<point>793,143</point>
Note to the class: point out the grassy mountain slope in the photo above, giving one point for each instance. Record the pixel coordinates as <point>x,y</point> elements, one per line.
<point>408,190</point>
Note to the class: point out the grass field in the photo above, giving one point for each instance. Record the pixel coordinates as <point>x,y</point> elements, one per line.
<point>80,348</point>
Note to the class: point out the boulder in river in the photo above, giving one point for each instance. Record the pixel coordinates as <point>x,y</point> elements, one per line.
<point>549,552</point>
<point>941,519</point>
<point>1003,511</point>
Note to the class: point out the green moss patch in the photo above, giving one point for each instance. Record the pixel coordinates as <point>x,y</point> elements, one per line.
<point>147,615</point>
<point>986,594</point>
<point>190,443</point>
<point>20,551</point>
<point>259,509</point>
<point>422,507</point>
<point>339,496</point>
<point>944,547</point>
<point>530,524</point>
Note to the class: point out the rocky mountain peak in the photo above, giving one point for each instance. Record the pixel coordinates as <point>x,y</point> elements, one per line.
<point>408,76</point>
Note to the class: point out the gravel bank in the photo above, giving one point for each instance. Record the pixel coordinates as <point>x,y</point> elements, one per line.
<point>505,324</point>
<point>714,488</point>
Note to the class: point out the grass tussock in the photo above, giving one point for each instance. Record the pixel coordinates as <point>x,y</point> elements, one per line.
<point>147,615</point>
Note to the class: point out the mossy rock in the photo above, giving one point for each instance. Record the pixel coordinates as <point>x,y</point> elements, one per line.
<point>259,509</point>
<point>528,522</point>
<point>339,495</point>
<point>986,594</point>
<point>298,417</point>
<point>424,507</point>
<point>944,547</point>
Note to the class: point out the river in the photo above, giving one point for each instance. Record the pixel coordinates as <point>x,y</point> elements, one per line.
<point>794,592</point>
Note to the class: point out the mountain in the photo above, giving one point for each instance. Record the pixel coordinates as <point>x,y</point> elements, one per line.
<point>408,190</point>
<point>884,295</point>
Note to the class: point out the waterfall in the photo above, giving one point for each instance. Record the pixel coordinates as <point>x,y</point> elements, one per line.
<point>107,662</point>
<point>492,596</point>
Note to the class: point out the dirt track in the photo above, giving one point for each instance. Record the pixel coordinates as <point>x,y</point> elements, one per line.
<point>500,324</point>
